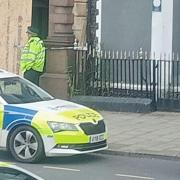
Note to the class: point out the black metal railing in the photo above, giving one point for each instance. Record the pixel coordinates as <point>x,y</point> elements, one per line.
<point>168,79</point>
<point>123,74</point>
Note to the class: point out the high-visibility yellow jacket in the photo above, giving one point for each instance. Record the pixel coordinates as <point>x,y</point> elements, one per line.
<point>33,55</point>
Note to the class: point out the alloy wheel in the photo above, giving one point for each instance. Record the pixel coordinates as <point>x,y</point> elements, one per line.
<point>25,144</point>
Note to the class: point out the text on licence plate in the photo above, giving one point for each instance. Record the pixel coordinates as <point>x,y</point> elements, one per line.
<point>96,138</point>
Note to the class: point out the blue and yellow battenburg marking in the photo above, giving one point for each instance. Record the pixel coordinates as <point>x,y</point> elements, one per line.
<point>15,115</point>
<point>1,115</point>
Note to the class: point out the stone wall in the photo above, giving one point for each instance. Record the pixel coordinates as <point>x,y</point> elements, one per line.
<point>15,16</point>
<point>80,20</point>
<point>60,40</point>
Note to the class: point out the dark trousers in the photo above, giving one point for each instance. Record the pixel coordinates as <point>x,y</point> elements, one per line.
<point>32,76</point>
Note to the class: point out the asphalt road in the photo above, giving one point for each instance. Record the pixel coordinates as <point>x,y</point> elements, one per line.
<point>102,167</point>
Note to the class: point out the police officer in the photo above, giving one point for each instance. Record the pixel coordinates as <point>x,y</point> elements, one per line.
<point>33,56</point>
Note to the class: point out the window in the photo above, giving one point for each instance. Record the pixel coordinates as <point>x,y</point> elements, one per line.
<point>15,90</point>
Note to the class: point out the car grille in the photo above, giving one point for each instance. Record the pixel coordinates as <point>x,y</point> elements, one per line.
<point>84,147</point>
<point>90,128</point>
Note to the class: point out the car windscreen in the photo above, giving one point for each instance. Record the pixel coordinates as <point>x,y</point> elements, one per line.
<point>16,90</point>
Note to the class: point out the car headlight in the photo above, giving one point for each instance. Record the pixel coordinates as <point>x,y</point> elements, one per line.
<point>61,126</point>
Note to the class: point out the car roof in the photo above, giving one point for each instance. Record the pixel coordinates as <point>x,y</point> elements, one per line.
<point>5,74</point>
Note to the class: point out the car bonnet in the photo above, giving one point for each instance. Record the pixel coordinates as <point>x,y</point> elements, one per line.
<point>61,110</point>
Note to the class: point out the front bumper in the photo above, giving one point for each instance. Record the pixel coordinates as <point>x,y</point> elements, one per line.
<point>89,138</point>
<point>74,149</point>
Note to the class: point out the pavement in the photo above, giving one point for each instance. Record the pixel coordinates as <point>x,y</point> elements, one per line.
<point>151,134</point>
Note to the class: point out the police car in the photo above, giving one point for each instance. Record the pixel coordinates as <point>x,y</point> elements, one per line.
<point>33,124</point>
<point>9,171</point>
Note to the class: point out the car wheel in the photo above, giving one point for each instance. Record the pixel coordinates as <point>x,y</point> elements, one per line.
<point>26,145</point>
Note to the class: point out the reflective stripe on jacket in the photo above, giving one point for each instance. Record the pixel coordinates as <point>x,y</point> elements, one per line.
<point>33,55</point>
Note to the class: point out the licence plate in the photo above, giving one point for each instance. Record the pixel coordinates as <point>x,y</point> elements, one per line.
<point>96,138</point>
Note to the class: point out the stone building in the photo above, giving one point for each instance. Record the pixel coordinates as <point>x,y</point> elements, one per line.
<point>59,21</point>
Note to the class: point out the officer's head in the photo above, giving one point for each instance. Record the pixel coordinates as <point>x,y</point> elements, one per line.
<point>31,31</point>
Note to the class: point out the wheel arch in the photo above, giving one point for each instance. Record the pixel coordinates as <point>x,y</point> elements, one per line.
<point>19,125</point>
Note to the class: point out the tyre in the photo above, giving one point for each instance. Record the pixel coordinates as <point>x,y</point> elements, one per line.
<point>26,145</point>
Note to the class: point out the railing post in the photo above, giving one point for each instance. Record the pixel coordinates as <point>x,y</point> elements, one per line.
<point>154,85</point>
<point>141,67</point>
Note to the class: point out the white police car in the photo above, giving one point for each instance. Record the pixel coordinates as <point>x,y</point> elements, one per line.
<point>33,124</point>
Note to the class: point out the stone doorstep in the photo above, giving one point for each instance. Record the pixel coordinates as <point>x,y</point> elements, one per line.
<point>140,105</point>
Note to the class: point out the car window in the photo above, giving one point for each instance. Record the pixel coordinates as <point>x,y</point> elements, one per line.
<point>13,174</point>
<point>15,90</point>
